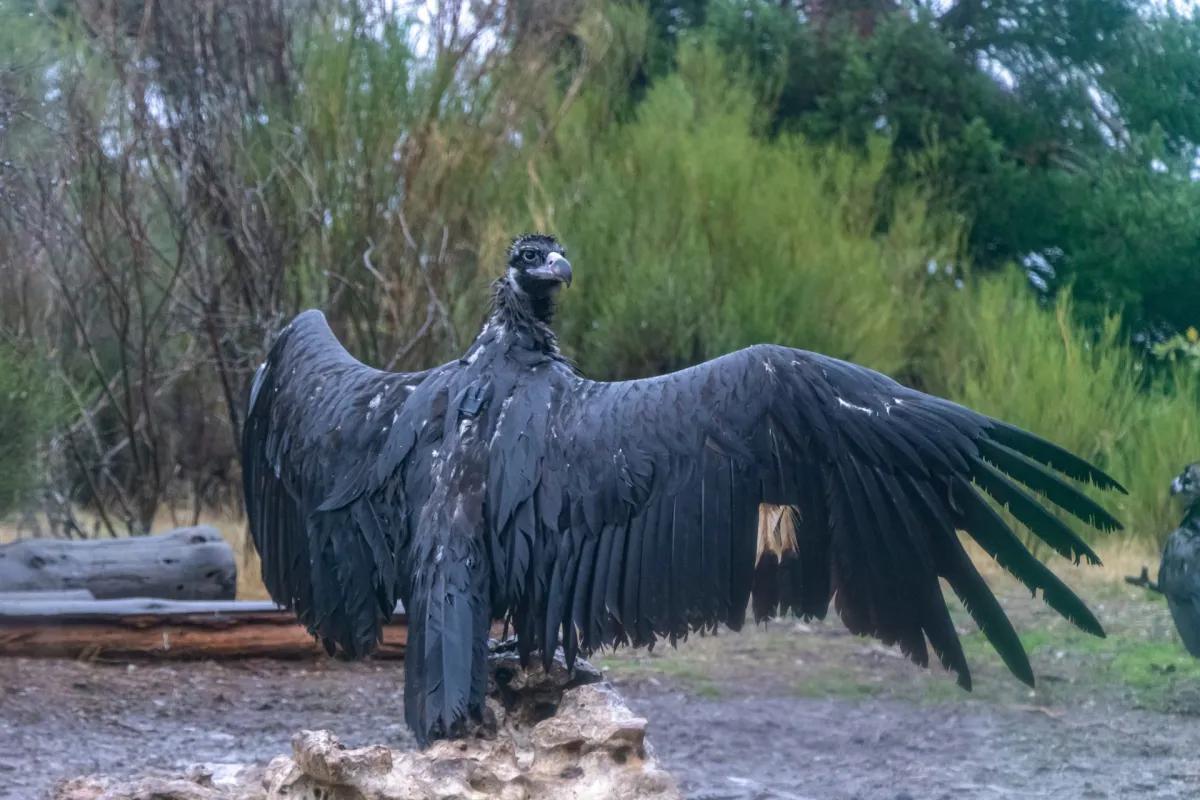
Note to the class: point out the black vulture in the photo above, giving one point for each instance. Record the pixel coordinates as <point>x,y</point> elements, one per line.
<point>1179,572</point>
<point>504,485</point>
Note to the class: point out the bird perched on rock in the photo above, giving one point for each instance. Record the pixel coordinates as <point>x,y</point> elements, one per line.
<point>505,485</point>
<point>1179,572</point>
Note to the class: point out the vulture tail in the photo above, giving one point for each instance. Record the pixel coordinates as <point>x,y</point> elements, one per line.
<point>446,660</point>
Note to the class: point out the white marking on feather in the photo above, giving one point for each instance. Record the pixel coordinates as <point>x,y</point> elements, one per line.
<point>375,401</point>
<point>845,404</point>
<point>440,554</point>
<point>500,419</point>
<point>768,367</point>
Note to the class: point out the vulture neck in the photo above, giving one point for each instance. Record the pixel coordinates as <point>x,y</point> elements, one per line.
<point>1191,517</point>
<point>526,317</point>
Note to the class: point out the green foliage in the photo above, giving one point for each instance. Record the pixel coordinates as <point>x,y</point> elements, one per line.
<point>1062,130</point>
<point>1184,347</point>
<point>27,412</point>
<point>695,236</point>
<point>999,352</point>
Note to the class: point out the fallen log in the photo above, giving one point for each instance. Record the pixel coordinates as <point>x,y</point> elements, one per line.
<point>59,610</point>
<point>48,594</point>
<point>147,628</point>
<point>185,564</point>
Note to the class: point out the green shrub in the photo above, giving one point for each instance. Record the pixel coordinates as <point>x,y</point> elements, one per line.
<point>692,236</point>
<point>998,351</point>
<point>27,413</point>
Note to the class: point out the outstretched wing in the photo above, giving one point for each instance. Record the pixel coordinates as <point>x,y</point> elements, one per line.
<point>648,508</point>
<point>318,419</point>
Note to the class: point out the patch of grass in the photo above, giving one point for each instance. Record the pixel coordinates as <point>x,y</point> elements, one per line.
<point>1153,669</point>
<point>689,671</point>
<point>1153,673</point>
<point>845,684</point>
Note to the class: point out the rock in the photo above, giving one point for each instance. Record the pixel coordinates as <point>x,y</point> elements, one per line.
<point>200,782</point>
<point>557,735</point>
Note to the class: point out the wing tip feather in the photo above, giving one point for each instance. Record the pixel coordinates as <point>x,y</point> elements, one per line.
<point>1047,452</point>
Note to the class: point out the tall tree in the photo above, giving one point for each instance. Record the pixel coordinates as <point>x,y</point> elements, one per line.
<point>1065,132</point>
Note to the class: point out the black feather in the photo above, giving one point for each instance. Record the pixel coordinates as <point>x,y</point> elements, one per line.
<point>994,536</point>
<point>1040,479</point>
<point>1044,524</point>
<point>1051,454</point>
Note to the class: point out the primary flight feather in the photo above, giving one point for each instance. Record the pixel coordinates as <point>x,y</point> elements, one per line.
<point>505,485</point>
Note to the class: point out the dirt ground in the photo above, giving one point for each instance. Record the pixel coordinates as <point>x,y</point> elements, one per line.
<point>789,711</point>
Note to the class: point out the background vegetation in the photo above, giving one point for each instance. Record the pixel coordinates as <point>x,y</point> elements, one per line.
<point>994,201</point>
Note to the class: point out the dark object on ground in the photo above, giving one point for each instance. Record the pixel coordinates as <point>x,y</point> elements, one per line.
<point>184,564</point>
<point>1143,580</point>
<point>142,628</point>
<point>1179,572</point>
<point>504,485</point>
<point>553,734</point>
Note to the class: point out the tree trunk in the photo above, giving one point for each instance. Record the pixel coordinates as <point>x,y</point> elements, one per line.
<point>139,628</point>
<point>185,564</point>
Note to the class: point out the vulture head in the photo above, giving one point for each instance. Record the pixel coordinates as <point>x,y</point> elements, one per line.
<point>1187,484</point>
<point>536,265</point>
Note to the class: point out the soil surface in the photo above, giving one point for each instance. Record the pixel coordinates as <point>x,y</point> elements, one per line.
<point>792,710</point>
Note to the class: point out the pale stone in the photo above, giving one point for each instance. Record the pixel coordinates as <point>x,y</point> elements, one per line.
<point>554,735</point>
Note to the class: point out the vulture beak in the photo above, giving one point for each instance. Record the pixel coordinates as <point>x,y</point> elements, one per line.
<point>556,268</point>
<point>1176,486</point>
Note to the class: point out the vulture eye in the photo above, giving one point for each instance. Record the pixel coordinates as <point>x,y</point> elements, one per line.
<point>529,256</point>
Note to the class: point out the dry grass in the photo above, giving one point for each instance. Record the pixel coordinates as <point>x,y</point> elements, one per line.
<point>1119,557</point>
